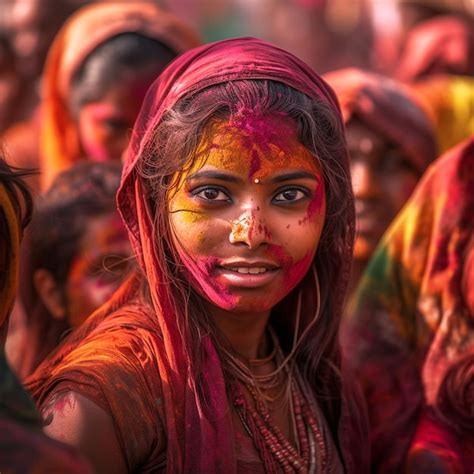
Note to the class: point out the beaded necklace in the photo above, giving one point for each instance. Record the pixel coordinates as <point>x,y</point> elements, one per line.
<point>277,453</point>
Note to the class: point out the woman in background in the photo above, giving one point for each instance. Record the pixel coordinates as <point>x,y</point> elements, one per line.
<point>390,141</point>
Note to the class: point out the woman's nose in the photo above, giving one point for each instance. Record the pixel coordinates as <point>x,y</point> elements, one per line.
<point>249,229</point>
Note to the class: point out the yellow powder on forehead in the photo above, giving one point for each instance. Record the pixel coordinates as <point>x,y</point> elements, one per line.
<point>250,145</point>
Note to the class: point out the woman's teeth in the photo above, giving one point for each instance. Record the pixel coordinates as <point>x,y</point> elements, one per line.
<point>253,270</point>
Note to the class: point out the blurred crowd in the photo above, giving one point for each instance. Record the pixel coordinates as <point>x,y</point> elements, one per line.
<point>73,76</point>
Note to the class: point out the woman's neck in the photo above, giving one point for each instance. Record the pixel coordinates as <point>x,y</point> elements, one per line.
<point>244,331</point>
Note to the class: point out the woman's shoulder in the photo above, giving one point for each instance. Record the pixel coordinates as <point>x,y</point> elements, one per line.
<point>114,364</point>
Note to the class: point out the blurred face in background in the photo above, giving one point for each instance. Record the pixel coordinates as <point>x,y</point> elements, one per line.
<point>100,265</point>
<point>105,125</point>
<point>383,178</point>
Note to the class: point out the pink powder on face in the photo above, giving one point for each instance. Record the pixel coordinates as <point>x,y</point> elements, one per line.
<point>294,271</point>
<point>259,131</point>
<point>201,275</point>
<point>297,271</point>
<point>318,200</point>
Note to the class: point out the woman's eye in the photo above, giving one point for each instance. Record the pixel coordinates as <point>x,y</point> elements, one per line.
<point>290,195</point>
<point>212,194</point>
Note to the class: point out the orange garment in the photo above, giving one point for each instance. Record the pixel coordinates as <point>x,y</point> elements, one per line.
<point>81,34</point>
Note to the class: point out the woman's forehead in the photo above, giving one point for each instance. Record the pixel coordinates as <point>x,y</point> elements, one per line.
<point>254,145</point>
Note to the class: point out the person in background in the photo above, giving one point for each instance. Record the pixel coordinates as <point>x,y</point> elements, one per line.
<point>449,102</point>
<point>391,142</point>
<point>79,254</point>
<point>96,74</point>
<point>410,335</point>
<point>221,354</point>
<point>23,447</point>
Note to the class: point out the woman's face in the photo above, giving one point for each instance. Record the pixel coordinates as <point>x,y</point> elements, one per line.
<point>99,267</point>
<point>383,178</point>
<point>247,216</point>
<point>104,126</point>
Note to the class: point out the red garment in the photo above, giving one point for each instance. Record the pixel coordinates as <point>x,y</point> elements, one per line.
<point>143,362</point>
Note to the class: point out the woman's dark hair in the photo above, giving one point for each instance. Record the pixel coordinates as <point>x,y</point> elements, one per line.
<point>112,61</point>
<point>86,190</point>
<point>13,180</point>
<point>172,150</point>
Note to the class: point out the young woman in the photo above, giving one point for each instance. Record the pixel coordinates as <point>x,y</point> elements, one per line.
<point>391,141</point>
<point>79,254</point>
<point>410,334</point>
<point>96,75</point>
<point>221,354</point>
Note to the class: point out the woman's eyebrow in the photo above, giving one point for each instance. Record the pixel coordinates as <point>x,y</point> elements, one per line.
<point>235,179</point>
<point>294,175</point>
<point>214,175</point>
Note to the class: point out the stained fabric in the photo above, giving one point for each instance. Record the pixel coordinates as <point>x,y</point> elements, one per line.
<point>10,226</point>
<point>442,45</point>
<point>82,33</point>
<point>449,101</point>
<point>388,107</point>
<point>160,421</point>
<point>411,325</point>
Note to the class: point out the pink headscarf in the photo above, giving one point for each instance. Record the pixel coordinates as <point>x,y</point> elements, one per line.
<point>195,436</point>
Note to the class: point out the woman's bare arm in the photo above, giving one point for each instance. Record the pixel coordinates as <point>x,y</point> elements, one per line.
<point>79,422</point>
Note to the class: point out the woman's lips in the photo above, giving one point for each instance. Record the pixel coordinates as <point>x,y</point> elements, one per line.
<point>247,276</point>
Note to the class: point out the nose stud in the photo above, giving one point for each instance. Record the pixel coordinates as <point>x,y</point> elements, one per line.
<point>256,181</point>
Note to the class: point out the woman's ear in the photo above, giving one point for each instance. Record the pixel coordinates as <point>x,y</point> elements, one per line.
<point>50,293</point>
